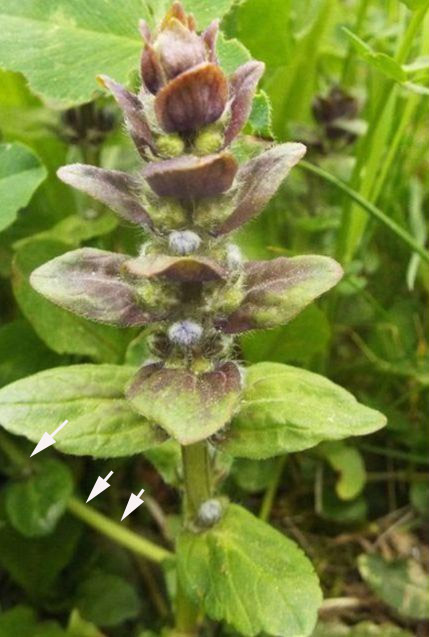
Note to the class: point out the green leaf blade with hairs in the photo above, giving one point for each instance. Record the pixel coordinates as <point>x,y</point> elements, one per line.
<point>248,574</point>
<point>286,409</point>
<point>101,424</point>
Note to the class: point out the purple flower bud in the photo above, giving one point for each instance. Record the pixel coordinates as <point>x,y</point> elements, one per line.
<point>185,333</point>
<point>209,512</point>
<point>184,242</point>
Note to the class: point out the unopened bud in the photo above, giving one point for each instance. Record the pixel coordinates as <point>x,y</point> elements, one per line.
<point>184,242</point>
<point>209,512</point>
<point>208,141</point>
<point>168,214</point>
<point>233,256</point>
<point>170,145</point>
<point>185,333</point>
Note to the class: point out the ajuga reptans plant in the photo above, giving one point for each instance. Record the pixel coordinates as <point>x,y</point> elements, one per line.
<point>195,291</point>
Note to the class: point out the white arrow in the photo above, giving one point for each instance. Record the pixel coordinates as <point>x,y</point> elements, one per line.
<point>100,486</point>
<point>47,439</point>
<point>133,503</point>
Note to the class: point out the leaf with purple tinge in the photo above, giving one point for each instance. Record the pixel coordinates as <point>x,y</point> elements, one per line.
<point>243,84</point>
<point>193,99</point>
<point>133,112</point>
<point>258,180</point>
<point>189,406</point>
<point>278,290</point>
<point>190,177</point>
<point>185,269</point>
<point>87,282</point>
<point>115,189</point>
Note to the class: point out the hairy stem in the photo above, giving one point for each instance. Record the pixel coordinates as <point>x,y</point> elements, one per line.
<point>197,477</point>
<point>197,481</point>
<point>113,530</point>
<point>120,534</point>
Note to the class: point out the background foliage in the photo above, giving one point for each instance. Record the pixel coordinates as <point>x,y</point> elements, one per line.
<point>349,79</point>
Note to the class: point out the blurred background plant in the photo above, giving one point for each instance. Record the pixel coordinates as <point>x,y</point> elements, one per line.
<point>350,78</point>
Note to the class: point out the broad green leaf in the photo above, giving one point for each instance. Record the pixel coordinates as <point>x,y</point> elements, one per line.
<point>107,600</point>
<point>363,629</point>
<point>203,10</point>
<point>349,464</point>
<point>79,627</point>
<point>287,409</point>
<point>296,342</point>
<point>331,508</point>
<point>35,563</point>
<point>22,353</point>
<point>231,53</point>
<point>21,621</point>
<point>167,460</point>
<point>251,576</point>
<point>21,172</point>
<point>415,4</point>
<point>253,475</point>
<point>188,405</point>
<point>59,329</point>
<point>35,504</point>
<point>401,584</point>
<point>80,40</point>
<point>101,422</point>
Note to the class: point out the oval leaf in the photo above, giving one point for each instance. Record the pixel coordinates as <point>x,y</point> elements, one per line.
<point>101,421</point>
<point>248,574</point>
<point>35,505</point>
<point>189,406</point>
<point>21,172</point>
<point>402,584</point>
<point>286,409</point>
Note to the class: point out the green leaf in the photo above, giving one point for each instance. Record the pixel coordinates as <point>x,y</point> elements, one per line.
<point>79,627</point>
<point>189,406</point>
<point>81,39</point>
<point>348,462</point>
<point>107,600</point>
<point>287,409</point>
<point>248,574</point>
<point>59,329</point>
<point>401,584</point>
<point>305,336</point>
<point>363,629</point>
<point>415,4</point>
<point>21,621</point>
<point>167,460</point>
<point>35,504</point>
<point>260,121</point>
<point>381,61</point>
<point>419,496</point>
<point>22,353</point>
<point>21,172</point>
<point>101,422</point>
<point>253,475</point>
<point>35,563</point>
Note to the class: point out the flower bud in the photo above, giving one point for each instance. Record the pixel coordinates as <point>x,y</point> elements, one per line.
<point>233,256</point>
<point>185,333</point>
<point>209,512</point>
<point>208,141</point>
<point>167,214</point>
<point>170,145</point>
<point>184,242</point>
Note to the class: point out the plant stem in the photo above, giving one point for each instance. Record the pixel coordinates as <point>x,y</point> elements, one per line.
<point>270,493</point>
<point>120,534</point>
<point>197,477</point>
<point>197,480</point>
<point>93,518</point>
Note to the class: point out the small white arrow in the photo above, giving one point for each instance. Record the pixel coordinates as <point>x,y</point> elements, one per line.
<point>100,486</point>
<point>133,503</point>
<point>47,439</point>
